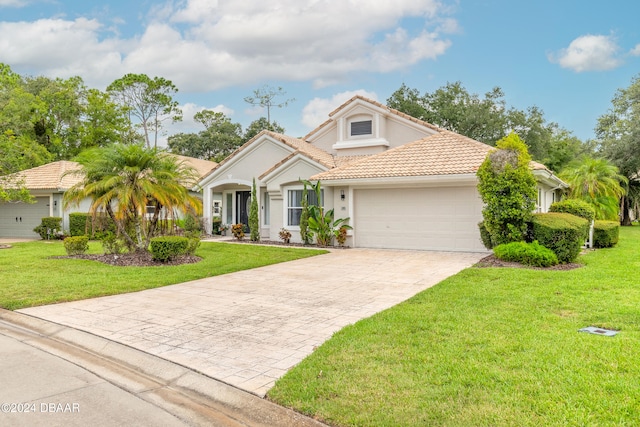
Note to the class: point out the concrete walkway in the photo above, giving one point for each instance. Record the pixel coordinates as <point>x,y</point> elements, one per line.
<point>248,328</point>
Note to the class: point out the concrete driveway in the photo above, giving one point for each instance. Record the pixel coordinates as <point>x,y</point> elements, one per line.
<point>248,328</point>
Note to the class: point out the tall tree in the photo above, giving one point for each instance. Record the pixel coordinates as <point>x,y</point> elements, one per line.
<point>150,100</point>
<point>265,97</point>
<point>618,134</point>
<point>220,138</point>
<point>122,180</point>
<point>104,122</point>
<point>597,182</point>
<point>486,119</point>
<point>257,126</point>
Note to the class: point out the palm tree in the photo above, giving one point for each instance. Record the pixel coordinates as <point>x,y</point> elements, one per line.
<point>123,180</point>
<point>598,182</point>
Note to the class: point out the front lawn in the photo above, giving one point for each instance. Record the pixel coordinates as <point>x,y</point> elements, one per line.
<point>488,347</point>
<point>29,276</point>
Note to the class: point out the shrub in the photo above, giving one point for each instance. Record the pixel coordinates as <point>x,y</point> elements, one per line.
<point>49,226</point>
<point>563,233</point>
<point>193,242</point>
<point>285,235</point>
<point>254,220</point>
<point>605,234</point>
<point>575,207</point>
<point>79,223</point>
<point>191,223</point>
<point>166,248</point>
<point>526,253</point>
<point>238,231</point>
<point>76,245</point>
<point>485,236</point>
<point>112,244</point>
<point>508,190</point>
<point>341,235</point>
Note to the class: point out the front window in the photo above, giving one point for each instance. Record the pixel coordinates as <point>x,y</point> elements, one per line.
<point>294,205</point>
<point>361,128</point>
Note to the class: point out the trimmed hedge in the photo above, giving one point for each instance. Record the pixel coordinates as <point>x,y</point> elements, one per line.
<point>575,207</point>
<point>526,253</point>
<point>166,248</point>
<point>76,245</point>
<point>605,234</point>
<point>81,224</point>
<point>563,233</point>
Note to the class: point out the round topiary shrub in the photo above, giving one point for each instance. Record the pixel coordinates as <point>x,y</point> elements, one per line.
<point>526,253</point>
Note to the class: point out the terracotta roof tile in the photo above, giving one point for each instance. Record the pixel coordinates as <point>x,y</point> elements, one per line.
<point>445,153</point>
<point>52,176</point>
<point>201,166</point>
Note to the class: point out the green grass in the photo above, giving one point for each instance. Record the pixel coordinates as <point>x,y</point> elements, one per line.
<point>488,347</point>
<point>29,276</point>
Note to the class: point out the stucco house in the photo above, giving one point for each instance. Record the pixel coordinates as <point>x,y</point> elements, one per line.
<point>403,183</point>
<point>48,183</point>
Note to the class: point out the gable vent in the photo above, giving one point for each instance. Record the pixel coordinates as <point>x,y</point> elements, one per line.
<point>361,128</point>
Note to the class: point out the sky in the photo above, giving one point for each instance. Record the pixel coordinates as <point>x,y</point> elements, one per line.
<point>567,57</point>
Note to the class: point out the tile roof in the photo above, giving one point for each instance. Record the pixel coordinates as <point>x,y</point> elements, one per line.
<point>52,176</point>
<point>59,175</point>
<point>445,153</point>
<point>202,167</point>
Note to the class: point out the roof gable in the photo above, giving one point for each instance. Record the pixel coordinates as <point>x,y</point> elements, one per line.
<point>289,147</point>
<point>374,106</point>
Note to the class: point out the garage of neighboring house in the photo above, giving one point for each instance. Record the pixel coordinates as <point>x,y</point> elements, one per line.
<point>19,219</point>
<point>427,218</point>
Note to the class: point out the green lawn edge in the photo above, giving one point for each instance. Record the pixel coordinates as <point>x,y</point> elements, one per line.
<point>31,276</point>
<point>488,347</point>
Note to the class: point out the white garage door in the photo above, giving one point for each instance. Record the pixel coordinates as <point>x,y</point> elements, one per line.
<point>443,218</point>
<point>19,219</point>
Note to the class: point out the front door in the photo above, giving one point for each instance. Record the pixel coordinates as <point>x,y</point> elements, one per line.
<point>243,204</point>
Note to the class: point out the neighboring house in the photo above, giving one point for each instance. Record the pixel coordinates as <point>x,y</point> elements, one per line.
<point>403,183</point>
<point>48,183</point>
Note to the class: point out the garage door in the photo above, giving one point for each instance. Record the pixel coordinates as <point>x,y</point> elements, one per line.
<point>418,218</point>
<point>19,219</point>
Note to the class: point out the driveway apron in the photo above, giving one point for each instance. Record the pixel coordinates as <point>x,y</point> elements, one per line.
<point>248,328</point>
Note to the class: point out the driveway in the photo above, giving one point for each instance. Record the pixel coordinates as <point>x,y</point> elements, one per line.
<point>248,328</point>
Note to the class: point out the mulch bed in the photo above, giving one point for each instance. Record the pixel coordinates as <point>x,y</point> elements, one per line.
<point>493,261</point>
<point>135,259</point>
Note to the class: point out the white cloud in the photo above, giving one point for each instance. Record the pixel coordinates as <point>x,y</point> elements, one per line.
<point>635,51</point>
<point>62,48</point>
<point>317,110</point>
<point>589,53</point>
<point>206,45</point>
<point>13,3</point>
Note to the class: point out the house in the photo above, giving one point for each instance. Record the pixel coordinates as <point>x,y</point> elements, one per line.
<point>48,183</point>
<point>403,183</point>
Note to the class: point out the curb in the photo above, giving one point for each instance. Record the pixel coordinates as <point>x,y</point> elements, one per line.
<point>189,395</point>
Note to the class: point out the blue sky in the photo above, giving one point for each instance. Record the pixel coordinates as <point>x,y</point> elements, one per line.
<point>568,57</point>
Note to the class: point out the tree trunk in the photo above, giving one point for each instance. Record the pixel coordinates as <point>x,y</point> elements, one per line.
<point>626,218</point>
